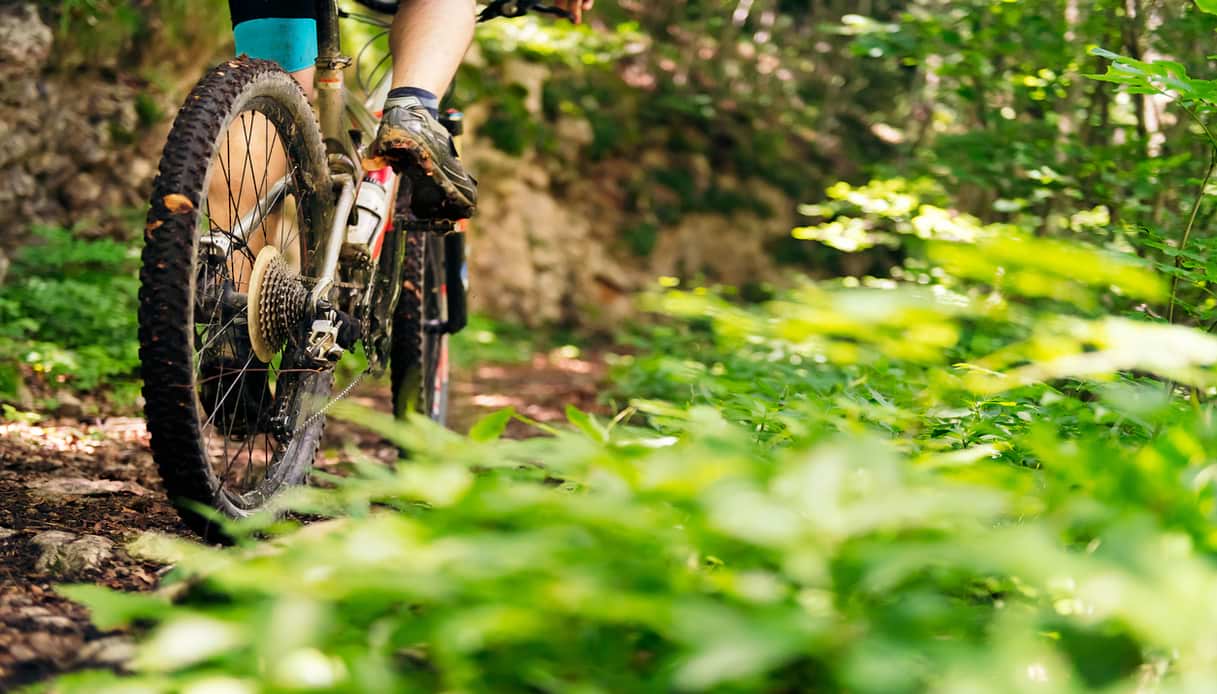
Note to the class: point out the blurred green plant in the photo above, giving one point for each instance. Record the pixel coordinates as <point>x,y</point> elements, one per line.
<point>112,33</point>
<point>958,485</point>
<point>68,315</point>
<point>487,341</point>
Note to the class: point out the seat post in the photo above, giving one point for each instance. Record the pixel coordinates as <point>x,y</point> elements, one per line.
<point>327,28</point>
<point>330,64</point>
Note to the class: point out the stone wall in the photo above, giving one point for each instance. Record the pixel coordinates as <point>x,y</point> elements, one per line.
<point>542,257</point>
<point>547,242</point>
<point>73,151</point>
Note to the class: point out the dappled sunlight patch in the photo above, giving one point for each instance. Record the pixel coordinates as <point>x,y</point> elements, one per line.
<point>843,326</point>
<point>1101,349</point>
<point>494,401</point>
<point>1030,267</point>
<point>187,640</point>
<point>882,211</point>
<point>958,246</point>
<point>990,284</point>
<point>309,668</point>
<point>75,438</point>
<point>576,366</point>
<point>217,684</point>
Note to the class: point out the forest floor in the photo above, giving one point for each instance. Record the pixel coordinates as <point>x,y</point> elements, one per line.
<point>74,494</point>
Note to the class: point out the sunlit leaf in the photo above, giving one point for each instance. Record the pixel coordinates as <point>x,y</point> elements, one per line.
<point>491,427</point>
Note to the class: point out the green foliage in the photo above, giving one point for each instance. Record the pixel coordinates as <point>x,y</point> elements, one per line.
<point>985,97</point>
<point>727,90</point>
<point>641,238</point>
<point>509,125</point>
<point>997,111</point>
<point>111,33</point>
<point>68,313</point>
<point>1182,256</point>
<point>882,212</point>
<point>487,341</point>
<point>99,25</point>
<point>956,484</point>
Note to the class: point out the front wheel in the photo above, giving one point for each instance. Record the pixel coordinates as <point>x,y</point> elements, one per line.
<point>233,420</point>
<point>419,370</point>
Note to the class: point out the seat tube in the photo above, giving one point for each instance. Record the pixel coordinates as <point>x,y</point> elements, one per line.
<point>330,64</point>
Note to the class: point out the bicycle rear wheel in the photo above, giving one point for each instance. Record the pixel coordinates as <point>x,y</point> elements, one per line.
<point>243,172</point>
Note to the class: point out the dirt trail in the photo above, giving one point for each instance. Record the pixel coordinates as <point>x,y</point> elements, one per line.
<point>72,495</point>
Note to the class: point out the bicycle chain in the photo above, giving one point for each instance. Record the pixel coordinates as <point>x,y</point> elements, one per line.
<point>345,392</point>
<point>321,413</point>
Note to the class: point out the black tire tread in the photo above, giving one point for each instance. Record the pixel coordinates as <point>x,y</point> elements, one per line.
<point>166,335</point>
<point>406,355</point>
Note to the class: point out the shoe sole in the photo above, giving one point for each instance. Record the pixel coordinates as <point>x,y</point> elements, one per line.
<point>435,196</point>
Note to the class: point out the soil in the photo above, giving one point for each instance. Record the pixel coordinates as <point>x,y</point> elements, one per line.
<point>98,478</point>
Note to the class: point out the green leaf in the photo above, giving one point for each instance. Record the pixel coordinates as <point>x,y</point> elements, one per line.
<point>1104,53</point>
<point>1209,6</point>
<point>491,427</point>
<point>111,609</point>
<point>585,423</point>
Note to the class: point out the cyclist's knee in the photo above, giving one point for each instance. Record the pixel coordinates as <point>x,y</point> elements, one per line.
<point>305,78</point>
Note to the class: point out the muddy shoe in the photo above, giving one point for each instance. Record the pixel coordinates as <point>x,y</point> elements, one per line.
<point>418,147</point>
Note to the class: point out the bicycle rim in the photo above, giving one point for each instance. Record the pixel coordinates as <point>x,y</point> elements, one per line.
<point>229,429</point>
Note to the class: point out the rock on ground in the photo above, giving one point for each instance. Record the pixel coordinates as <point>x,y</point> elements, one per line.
<point>25,40</point>
<point>111,651</point>
<point>66,555</point>
<point>55,487</point>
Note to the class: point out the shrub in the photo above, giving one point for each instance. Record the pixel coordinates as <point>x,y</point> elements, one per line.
<point>844,489</point>
<point>68,313</point>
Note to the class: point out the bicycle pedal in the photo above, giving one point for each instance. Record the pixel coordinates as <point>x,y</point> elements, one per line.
<point>434,226</point>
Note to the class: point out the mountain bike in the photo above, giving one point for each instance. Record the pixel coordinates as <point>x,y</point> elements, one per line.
<point>270,253</point>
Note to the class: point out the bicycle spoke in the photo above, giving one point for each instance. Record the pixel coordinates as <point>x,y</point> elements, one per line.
<point>247,151</point>
<point>242,393</point>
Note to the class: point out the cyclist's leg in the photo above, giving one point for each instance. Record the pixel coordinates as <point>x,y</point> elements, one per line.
<point>285,32</point>
<point>429,39</point>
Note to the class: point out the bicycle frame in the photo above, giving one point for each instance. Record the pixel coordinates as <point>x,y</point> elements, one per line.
<point>332,104</point>
<point>331,98</point>
<point>339,116</point>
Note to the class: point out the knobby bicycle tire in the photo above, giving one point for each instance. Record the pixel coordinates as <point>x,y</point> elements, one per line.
<point>418,361</point>
<point>170,274</point>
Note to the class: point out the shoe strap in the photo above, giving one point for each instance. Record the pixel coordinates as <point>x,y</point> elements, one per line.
<point>404,102</point>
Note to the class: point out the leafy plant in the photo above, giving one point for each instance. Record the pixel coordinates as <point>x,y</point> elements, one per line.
<point>68,312</point>
<point>93,33</point>
<point>895,488</point>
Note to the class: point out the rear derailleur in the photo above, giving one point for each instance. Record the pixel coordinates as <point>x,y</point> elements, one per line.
<point>331,333</point>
